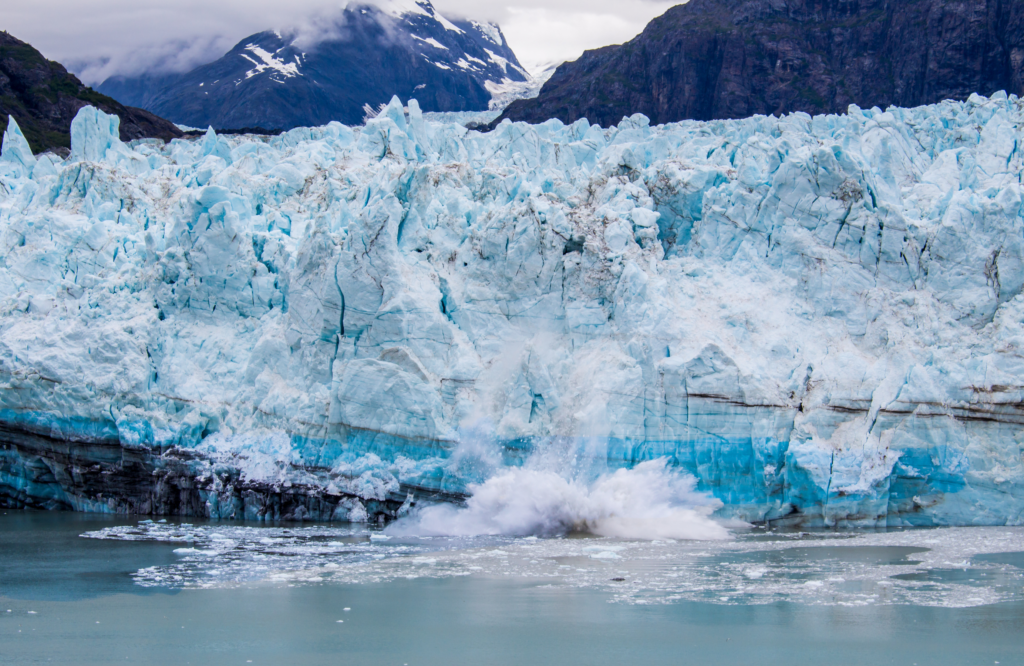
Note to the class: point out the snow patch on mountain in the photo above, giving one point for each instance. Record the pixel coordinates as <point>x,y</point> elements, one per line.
<point>269,61</point>
<point>433,42</point>
<point>492,31</point>
<point>400,8</point>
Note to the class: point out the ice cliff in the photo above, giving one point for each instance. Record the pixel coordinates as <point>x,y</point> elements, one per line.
<point>819,318</point>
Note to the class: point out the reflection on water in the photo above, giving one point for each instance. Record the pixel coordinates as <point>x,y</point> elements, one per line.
<point>42,557</point>
<point>1012,559</point>
<point>218,593</point>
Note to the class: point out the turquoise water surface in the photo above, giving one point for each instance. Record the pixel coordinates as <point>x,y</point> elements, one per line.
<point>228,593</point>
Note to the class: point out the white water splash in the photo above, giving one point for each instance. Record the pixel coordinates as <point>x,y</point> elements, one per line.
<point>649,501</point>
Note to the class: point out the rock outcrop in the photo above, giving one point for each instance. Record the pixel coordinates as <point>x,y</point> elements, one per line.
<point>711,59</point>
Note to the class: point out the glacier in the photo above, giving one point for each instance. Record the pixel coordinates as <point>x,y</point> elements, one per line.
<point>818,318</point>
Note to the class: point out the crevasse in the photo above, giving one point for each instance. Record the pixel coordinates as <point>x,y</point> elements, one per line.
<point>819,318</point>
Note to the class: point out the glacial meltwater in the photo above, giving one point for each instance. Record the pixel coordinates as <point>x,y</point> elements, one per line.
<point>86,589</point>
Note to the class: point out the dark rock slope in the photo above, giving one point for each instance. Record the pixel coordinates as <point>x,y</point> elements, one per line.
<point>712,59</point>
<point>44,98</point>
<point>276,80</point>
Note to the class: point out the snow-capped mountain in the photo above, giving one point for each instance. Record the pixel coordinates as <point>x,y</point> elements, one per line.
<point>361,57</point>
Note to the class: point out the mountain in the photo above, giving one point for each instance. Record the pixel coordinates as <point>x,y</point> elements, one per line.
<point>712,59</point>
<point>371,53</point>
<point>43,97</point>
<point>137,90</point>
<point>820,319</point>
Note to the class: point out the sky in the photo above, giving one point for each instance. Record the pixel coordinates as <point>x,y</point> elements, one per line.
<point>100,38</point>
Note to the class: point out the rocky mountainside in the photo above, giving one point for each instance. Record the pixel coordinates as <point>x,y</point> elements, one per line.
<point>44,98</point>
<point>279,80</point>
<point>713,59</point>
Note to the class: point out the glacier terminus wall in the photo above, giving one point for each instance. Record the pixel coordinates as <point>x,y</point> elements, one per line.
<point>820,319</point>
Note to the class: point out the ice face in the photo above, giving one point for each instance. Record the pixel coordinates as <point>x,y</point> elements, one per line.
<point>818,318</point>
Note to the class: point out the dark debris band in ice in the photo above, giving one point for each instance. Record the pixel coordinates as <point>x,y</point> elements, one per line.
<point>952,567</point>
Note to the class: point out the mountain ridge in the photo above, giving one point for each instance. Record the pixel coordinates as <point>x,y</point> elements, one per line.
<point>44,97</point>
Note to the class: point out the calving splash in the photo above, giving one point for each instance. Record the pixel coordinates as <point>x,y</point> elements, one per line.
<point>646,502</point>
<point>563,486</point>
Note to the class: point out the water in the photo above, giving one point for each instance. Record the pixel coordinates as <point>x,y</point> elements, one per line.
<point>227,593</point>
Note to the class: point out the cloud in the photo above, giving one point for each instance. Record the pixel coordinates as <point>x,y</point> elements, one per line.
<point>99,38</point>
<point>103,37</point>
<point>542,35</point>
<point>178,55</point>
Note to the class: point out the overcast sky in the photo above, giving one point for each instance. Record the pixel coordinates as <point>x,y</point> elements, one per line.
<point>98,38</point>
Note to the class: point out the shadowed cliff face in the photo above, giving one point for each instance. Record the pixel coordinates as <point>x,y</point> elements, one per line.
<point>714,59</point>
<point>43,97</point>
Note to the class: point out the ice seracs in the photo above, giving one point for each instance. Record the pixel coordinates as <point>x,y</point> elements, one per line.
<point>820,319</point>
<point>15,150</point>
